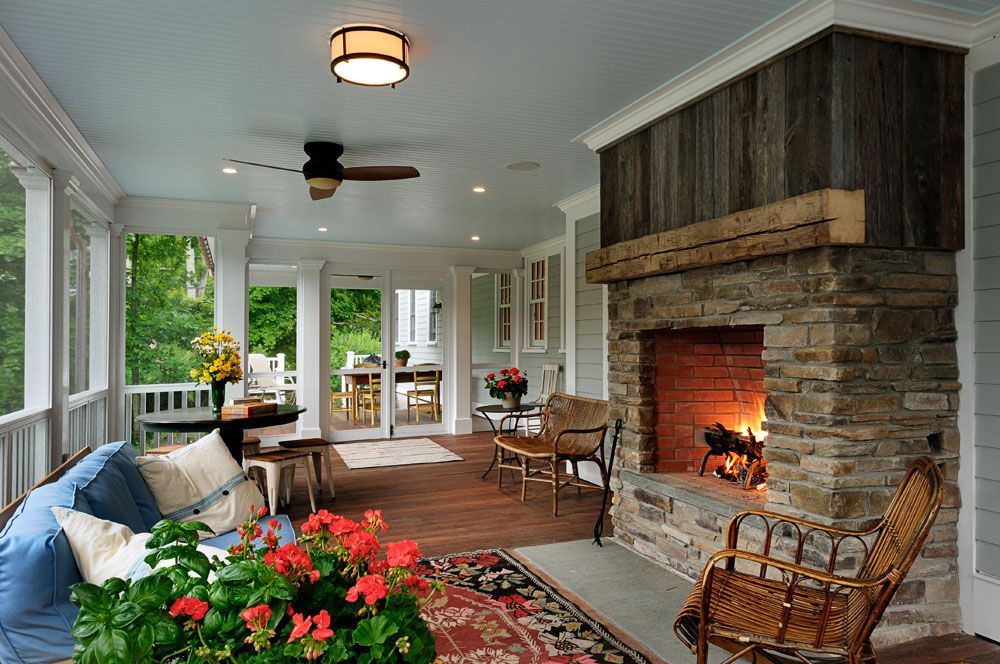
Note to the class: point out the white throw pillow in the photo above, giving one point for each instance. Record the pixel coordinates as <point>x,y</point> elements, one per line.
<point>201,482</point>
<point>105,549</point>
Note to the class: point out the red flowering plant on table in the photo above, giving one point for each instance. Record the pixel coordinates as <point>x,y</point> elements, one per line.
<point>509,381</point>
<point>331,597</point>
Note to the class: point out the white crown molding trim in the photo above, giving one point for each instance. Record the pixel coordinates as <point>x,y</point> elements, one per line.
<point>139,202</point>
<point>904,18</point>
<point>581,204</point>
<point>16,69</point>
<point>986,51</point>
<point>547,247</point>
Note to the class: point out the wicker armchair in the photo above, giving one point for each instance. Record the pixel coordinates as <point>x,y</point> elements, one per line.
<point>784,611</point>
<point>572,430</point>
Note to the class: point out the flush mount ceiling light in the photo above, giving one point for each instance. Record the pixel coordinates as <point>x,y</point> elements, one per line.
<point>369,55</point>
<point>229,170</point>
<point>522,166</point>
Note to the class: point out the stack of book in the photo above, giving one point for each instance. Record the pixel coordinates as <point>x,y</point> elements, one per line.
<point>248,407</point>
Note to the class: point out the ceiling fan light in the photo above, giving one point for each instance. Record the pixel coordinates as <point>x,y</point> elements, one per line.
<point>323,183</point>
<point>371,55</point>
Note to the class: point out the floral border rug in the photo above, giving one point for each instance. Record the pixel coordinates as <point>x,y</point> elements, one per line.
<point>495,611</point>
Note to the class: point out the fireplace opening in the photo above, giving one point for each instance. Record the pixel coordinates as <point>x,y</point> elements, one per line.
<point>710,396</point>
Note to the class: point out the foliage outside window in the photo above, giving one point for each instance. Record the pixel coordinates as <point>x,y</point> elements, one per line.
<point>12,270</point>
<point>87,253</point>
<point>169,300</point>
<point>537,302</point>
<point>272,318</point>
<point>355,326</point>
<point>502,295</point>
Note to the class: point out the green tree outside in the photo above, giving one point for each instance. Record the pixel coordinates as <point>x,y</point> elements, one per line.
<point>12,273</point>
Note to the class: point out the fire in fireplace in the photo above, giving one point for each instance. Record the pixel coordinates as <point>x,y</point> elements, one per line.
<point>742,456</point>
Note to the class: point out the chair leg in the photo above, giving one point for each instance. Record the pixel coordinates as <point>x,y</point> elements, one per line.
<point>317,469</point>
<point>499,452</point>
<point>524,476</point>
<point>576,476</point>
<point>289,483</point>
<point>328,462</point>
<point>701,656</point>
<point>555,487</point>
<point>273,479</point>
<point>309,483</point>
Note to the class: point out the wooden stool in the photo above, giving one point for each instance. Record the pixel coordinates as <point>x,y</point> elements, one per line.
<point>274,464</point>
<point>164,449</point>
<point>346,403</point>
<point>318,448</point>
<point>251,445</point>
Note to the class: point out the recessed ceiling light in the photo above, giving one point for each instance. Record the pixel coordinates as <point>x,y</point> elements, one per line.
<point>479,189</point>
<point>322,229</point>
<point>522,166</point>
<point>229,170</point>
<point>474,238</point>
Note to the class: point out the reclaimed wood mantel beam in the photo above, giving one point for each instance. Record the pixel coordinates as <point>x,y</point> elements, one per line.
<point>819,218</point>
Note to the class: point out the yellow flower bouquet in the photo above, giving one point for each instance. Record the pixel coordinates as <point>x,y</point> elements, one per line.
<point>219,353</point>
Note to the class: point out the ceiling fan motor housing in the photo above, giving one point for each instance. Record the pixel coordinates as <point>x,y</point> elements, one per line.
<point>323,171</point>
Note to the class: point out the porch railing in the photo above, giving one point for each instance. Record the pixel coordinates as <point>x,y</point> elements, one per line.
<point>87,421</point>
<point>142,399</point>
<point>24,451</point>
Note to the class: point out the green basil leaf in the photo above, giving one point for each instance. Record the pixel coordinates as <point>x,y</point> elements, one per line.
<point>114,586</point>
<point>113,647</point>
<point>214,622</point>
<point>143,641</point>
<point>125,614</point>
<point>90,597</point>
<point>165,630</point>
<point>194,560</point>
<point>239,571</point>
<point>150,592</point>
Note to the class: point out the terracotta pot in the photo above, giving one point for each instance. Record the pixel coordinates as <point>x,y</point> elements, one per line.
<point>400,363</point>
<point>511,400</point>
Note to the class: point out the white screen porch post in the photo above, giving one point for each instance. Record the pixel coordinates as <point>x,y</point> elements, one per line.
<point>312,347</point>
<point>231,293</point>
<point>459,364</point>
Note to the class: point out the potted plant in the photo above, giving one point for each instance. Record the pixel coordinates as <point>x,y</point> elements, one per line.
<point>329,598</point>
<point>219,353</point>
<point>402,357</point>
<point>509,386</point>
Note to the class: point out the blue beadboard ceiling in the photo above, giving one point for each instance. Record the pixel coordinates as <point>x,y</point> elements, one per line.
<point>163,90</point>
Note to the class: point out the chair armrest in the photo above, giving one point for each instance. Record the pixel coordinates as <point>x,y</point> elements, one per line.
<point>566,432</point>
<point>799,570</point>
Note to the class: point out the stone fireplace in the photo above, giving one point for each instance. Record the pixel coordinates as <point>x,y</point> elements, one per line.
<point>779,258</point>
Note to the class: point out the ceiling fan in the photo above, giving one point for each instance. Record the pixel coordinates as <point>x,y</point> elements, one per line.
<point>324,173</point>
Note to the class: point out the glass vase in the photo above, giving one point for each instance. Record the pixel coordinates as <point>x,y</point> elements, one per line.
<point>218,396</point>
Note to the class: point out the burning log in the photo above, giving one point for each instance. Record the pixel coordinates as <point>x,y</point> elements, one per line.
<point>743,456</point>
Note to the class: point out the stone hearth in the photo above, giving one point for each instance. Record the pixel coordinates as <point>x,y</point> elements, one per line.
<point>857,349</point>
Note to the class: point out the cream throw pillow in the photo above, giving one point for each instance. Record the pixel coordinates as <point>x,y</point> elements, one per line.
<point>201,482</point>
<point>105,549</point>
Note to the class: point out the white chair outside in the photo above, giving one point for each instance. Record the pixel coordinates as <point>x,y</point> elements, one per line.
<point>546,386</point>
<point>264,383</point>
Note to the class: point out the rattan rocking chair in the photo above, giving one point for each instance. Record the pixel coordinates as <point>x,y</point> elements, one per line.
<point>572,430</point>
<point>780,610</point>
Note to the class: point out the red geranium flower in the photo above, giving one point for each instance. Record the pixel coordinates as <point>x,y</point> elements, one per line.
<point>514,371</point>
<point>373,520</point>
<point>292,562</point>
<point>490,376</point>
<point>502,384</point>
<point>322,622</point>
<point>362,545</point>
<point>402,553</point>
<point>372,586</point>
<point>256,617</point>
<point>189,606</point>
<point>301,628</point>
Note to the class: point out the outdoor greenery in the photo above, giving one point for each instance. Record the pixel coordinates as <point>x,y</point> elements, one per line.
<point>272,322</point>
<point>355,325</point>
<point>12,273</point>
<point>169,300</point>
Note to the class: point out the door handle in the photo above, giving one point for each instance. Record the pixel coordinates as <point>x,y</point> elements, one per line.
<point>385,365</point>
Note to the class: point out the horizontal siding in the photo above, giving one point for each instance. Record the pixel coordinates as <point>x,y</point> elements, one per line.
<point>986,306</point>
<point>483,337</point>
<point>589,313</point>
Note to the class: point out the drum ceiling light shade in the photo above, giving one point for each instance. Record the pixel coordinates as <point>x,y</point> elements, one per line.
<point>369,55</point>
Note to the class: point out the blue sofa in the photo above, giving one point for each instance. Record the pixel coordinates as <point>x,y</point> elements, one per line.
<point>37,565</point>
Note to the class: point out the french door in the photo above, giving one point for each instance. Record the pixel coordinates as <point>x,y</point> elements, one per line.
<point>386,354</point>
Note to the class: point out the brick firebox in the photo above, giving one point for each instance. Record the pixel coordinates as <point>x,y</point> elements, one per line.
<point>705,376</point>
<point>860,370</point>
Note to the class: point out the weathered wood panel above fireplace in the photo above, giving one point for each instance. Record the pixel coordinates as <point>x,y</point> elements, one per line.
<point>844,111</point>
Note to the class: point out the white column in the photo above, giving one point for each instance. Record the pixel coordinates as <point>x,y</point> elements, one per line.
<point>517,322</point>
<point>116,332</point>
<point>100,304</point>
<point>231,293</point>
<point>312,349</point>
<point>38,281</point>
<point>459,364</point>
<point>569,303</point>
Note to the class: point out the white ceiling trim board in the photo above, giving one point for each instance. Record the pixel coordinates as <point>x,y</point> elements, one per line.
<point>374,246</point>
<point>545,247</point>
<point>582,204</point>
<point>898,17</point>
<point>18,72</point>
<point>986,52</point>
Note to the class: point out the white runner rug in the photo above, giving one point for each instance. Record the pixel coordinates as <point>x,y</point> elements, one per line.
<point>402,452</point>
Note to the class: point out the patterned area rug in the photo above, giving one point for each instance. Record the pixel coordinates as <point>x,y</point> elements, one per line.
<point>401,452</point>
<point>496,611</point>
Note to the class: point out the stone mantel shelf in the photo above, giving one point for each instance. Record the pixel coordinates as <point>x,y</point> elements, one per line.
<point>820,218</point>
<point>688,489</point>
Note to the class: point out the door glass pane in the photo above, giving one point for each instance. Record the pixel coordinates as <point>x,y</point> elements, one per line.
<point>418,350</point>
<point>355,353</point>
<point>272,334</point>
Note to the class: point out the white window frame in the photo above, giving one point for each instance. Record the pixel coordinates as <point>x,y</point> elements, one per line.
<point>499,345</point>
<point>432,318</point>
<point>533,343</point>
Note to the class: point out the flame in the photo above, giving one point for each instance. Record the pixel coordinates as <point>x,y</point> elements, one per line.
<point>753,421</point>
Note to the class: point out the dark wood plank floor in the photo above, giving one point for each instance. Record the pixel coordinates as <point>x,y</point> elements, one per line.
<point>447,508</point>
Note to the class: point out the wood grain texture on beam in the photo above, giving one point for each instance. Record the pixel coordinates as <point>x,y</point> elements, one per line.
<point>819,218</point>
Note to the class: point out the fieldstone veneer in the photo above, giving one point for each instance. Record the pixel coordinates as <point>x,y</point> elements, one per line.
<point>861,374</point>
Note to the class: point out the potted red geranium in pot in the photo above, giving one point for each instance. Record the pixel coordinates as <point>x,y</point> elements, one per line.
<point>508,386</point>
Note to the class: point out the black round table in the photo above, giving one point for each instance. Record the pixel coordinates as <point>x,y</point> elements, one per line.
<point>189,420</point>
<point>498,409</point>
